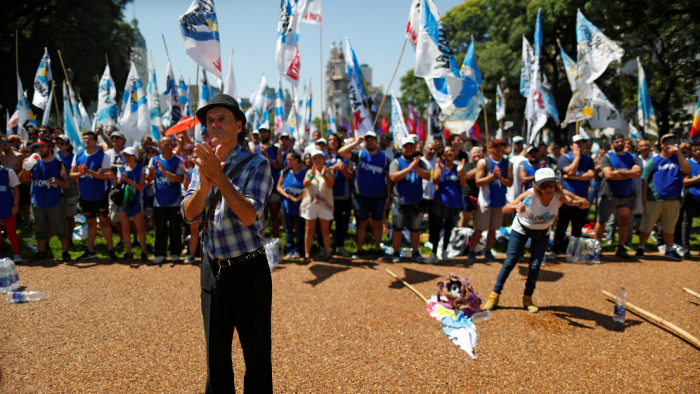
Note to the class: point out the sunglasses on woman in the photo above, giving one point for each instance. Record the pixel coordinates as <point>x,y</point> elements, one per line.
<point>547,185</point>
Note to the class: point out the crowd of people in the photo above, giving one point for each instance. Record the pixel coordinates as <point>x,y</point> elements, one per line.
<point>635,186</point>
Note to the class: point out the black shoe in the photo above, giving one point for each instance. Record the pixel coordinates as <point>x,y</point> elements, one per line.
<point>66,256</point>
<point>673,255</point>
<point>640,252</point>
<point>112,255</point>
<point>687,255</point>
<point>39,256</point>
<point>379,253</point>
<point>622,253</point>
<point>89,254</point>
<point>127,256</point>
<point>144,256</point>
<point>119,244</point>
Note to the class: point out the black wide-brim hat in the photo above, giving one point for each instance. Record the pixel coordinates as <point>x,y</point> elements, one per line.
<point>221,100</point>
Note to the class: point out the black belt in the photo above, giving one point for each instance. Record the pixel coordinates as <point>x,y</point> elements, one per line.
<point>235,260</point>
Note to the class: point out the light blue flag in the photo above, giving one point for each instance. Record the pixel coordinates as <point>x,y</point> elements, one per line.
<point>280,121</point>
<point>526,67</point>
<point>538,36</point>
<point>174,113</point>
<point>69,122</point>
<point>331,120</point>
<point>200,32</point>
<point>41,81</point>
<point>398,127</point>
<point>154,103</point>
<point>645,112</point>
<point>470,71</point>
<point>182,90</point>
<point>107,110</point>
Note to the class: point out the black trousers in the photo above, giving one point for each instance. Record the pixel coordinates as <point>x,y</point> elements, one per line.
<point>567,214</point>
<point>341,213</point>
<point>168,221</point>
<point>441,218</point>
<point>684,225</point>
<point>241,299</point>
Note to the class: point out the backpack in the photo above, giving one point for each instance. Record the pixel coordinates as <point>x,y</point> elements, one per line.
<point>459,294</point>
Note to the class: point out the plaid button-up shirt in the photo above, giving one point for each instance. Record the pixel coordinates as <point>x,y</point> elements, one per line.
<point>226,236</point>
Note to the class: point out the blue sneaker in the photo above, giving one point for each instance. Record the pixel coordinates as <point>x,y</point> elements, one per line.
<point>489,256</point>
<point>472,257</point>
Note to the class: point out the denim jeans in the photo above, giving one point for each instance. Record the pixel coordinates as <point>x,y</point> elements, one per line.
<point>294,245</point>
<point>516,249</point>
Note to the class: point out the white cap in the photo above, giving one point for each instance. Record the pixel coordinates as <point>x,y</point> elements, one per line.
<point>371,134</point>
<point>256,131</point>
<point>517,139</point>
<point>545,175</point>
<point>284,134</point>
<point>532,147</point>
<point>129,151</point>
<point>578,137</point>
<point>321,141</point>
<point>316,153</point>
<point>407,140</point>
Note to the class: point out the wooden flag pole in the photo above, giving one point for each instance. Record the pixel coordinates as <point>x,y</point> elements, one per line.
<point>63,66</point>
<point>379,110</point>
<point>659,321</point>
<point>577,125</point>
<point>17,50</point>
<point>107,59</point>
<point>55,101</point>
<point>687,290</point>
<point>413,289</point>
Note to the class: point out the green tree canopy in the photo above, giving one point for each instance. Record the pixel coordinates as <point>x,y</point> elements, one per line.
<point>83,30</point>
<point>664,35</point>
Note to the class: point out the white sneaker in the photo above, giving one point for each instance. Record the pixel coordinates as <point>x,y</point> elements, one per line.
<point>343,252</point>
<point>175,258</point>
<point>159,259</point>
<point>17,258</point>
<point>289,256</point>
<point>296,255</point>
<point>551,256</point>
<point>189,260</point>
<point>432,259</point>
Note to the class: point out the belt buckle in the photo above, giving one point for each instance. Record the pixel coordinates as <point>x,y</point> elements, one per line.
<point>224,263</point>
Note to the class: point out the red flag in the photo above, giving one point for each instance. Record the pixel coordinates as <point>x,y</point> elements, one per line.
<point>448,134</point>
<point>385,125</point>
<point>422,134</point>
<point>475,132</point>
<point>412,120</point>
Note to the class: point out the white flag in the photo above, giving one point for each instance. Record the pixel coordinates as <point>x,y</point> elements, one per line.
<point>598,50</point>
<point>528,58</point>
<point>230,83</point>
<point>200,31</point>
<point>47,111</point>
<point>154,102</point>
<point>287,50</point>
<point>304,135</point>
<point>434,56</point>
<point>41,81</point>
<point>331,120</point>
<point>535,111</point>
<point>360,99</point>
<point>205,95</point>
<point>174,114</point>
<point>313,12</point>
<point>107,110</point>
<point>604,112</point>
<point>25,117</point>
<point>69,124</point>
<point>136,119</point>
<point>500,103</point>
<point>398,127</point>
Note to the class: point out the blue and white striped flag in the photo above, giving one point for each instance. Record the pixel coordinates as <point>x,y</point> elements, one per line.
<point>205,94</point>
<point>183,91</point>
<point>154,102</point>
<point>360,99</point>
<point>200,31</point>
<point>174,114</point>
<point>331,120</point>
<point>69,122</point>
<point>135,121</point>
<point>41,81</point>
<point>597,49</point>
<point>398,127</point>
<point>287,49</point>
<point>280,122</point>
<point>107,110</point>
<point>645,112</point>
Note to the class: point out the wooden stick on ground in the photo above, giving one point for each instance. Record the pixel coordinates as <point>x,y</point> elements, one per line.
<point>687,290</point>
<point>659,321</point>
<point>413,289</point>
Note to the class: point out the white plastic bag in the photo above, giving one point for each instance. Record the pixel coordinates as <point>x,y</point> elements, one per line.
<point>80,233</point>
<point>273,252</point>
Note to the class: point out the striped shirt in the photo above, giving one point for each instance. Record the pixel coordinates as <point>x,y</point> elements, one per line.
<point>226,236</point>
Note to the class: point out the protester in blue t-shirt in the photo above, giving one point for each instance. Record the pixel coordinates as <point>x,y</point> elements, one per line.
<point>528,167</point>
<point>577,170</point>
<point>371,181</point>
<point>134,175</point>
<point>617,191</point>
<point>407,173</point>
<point>450,178</point>
<point>662,184</point>
<point>165,171</point>
<point>342,198</point>
<point>48,177</point>
<point>291,187</point>
<point>92,169</point>
<point>691,199</point>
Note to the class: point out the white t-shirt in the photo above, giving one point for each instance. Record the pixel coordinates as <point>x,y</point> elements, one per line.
<point>513,191</point>
<point>12,177</point>
<point>309,148</point>
<point>536,215</point>
<point>106,163</point>
<point>428,184</point>
<point>115,159</point>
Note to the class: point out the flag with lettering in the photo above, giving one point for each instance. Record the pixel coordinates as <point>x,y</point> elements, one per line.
<point>528,57</point>
<point>41,81</point>
<point>535,111</point>
<point>398,127</point>
<point>200,31</point>
<point>360,100</point>
<point>313,12</point>
<point>107,110</point>
<point>69,124</point>
<point>287,49</point>
<point>154,102</point>
<point>434,127</point>
<point>331,121</point>
<point>174,113</point>
<point>434,56</point>
<point>135,121</point>
<point>230,82</point>
<point>596,49</point>
<point>500,103</point>
<point>645,112</point>
<point>25,116</point>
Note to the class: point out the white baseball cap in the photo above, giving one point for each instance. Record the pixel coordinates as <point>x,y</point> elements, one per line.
<point>578,137</point>
<point>316,153</point>
<point>371,134</point>
<point>129,151</point>
<point>545,175</point>
<point>321,141</point>
<point>517,139</point>
<point>407,140</point>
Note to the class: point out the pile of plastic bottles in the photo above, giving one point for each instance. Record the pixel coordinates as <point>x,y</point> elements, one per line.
<point>582,250</point>
<point>9,281</point>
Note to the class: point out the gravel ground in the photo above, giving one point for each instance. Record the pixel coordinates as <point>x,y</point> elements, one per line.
<point>350,327</point>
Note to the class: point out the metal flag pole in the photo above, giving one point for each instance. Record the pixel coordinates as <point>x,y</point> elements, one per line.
<point>320,41</point>
<point>379,110</point>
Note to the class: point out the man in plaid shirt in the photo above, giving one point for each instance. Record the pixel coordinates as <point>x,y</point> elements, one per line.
<point>235,279</point>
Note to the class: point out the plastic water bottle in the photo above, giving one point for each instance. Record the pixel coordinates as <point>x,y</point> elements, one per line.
<point>597,252</point>
<point>9,280</point>
<point>14,279</point>
<point>527,201</point>
<point>481,316</point>
<point>24,296</point>
<point>31,162</point>
<point>620,306</point>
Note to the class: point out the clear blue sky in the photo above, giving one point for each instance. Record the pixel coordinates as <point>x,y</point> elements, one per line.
<point>375,28</point>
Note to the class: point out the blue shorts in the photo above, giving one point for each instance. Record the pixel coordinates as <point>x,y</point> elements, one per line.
<point>469,203</point>
<point>407,216</point>
<point>366,207</point>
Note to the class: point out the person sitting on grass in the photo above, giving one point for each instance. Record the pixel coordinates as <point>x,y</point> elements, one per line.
<point>133,174</point>
<point>317,203</point>
<point>536,209</point>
